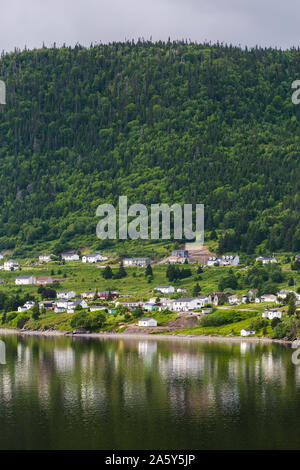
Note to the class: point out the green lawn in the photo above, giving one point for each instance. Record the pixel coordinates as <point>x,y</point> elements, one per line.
<point>233,329</point>
<point>87,277</point>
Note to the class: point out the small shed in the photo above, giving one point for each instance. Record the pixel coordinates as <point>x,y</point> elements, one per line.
<point>147,322</point>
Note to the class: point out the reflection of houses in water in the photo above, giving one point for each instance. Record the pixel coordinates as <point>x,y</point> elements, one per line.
<point>64,359</point>
<point>187,379</point>
<point>6,393</point>
<point>297,372</point>
<point>23,354</point>
<point>271,367</point>
<point>228,397</point>
<point>245,347</point>
<point>177,398</point>
<point>181,364</point>
<point>91,395</point>
<point>147,348</point>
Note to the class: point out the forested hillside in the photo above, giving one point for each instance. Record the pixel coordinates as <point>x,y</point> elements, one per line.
<point>164,122</point>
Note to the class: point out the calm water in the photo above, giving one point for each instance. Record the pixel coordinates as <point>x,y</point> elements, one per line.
<point>64,393</point>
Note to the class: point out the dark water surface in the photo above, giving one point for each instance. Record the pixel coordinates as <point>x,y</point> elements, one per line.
<point>64,393</point>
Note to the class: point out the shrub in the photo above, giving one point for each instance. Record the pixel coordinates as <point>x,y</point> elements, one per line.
<point>280,331</point>
<point>138,312</point>
<point>217,319</point>
<point>88,321</point>
<point>259,323</point>
<point>11,316</point>
<point>275,322</point>
<point>22,320</point>
<point>289,327</point>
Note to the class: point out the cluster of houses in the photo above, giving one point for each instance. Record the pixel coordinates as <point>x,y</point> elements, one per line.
<point>266,259</point>
<point>12,265</point>
<point>73,256</point>
<point>251,296</point>
<point>66,301</point>
<point>182,256</point>
<point>179,305</point>
<point>141,262</point>
<point>269,314</point>
<point>203,303</point>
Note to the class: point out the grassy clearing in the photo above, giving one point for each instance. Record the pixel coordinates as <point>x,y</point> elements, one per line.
<point>232,329</point>
<point>82,277</point>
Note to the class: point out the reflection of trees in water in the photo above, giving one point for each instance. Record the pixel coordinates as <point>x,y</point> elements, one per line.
<point>108,374</point>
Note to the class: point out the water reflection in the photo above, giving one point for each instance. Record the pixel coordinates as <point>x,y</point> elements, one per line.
<point>107,393</point>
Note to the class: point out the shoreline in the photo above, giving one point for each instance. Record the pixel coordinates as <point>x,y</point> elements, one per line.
<point>139,336</point>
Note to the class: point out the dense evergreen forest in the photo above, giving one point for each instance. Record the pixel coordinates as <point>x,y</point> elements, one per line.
<point>158,122</point>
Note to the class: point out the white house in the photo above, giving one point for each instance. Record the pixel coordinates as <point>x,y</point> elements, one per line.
<point>181,290</point>
<point>11,265</point>
<point>69,305</point>
<point>74,303</point>
<point>59,309</point>
<point>88,295</point>
<point>66,294</point>
<point>212,260</point>
<point>70,256</point>
<point>133,304</point>
<point>96,308</point>
<point>271,313</point>
<point>266,259</point>
<point>215,297</point>
<point>266,298</point>
<point>1,255</point>
<point>165,289</point>
<point>177,260</point>
<point>202,301</point>
<point>165,304</point>
<point>230,260</point>
<point>44,258</point>
<point>234,299</point>
<point>93,258</point>
<point>29,304</point>
<point>282,294</point>
<point>247,332</point>
<point>143,262</point>
<point>147,322</point>
<point>186,304</point>
<point>252,293</point>
<point>225,260</point>
<point>25,280</point>
<point>61,304</point>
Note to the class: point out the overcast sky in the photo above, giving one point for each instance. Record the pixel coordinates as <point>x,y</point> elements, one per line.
<point>245,22</point>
